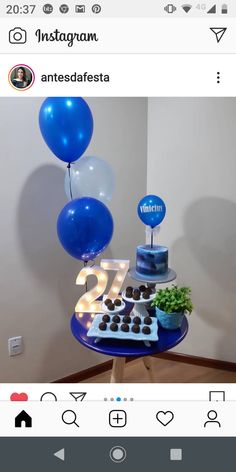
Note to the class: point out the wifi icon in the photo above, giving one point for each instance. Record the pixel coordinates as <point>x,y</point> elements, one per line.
<point>186,7</point>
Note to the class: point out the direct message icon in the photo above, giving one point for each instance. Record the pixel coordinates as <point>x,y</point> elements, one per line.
<point>219,33</point>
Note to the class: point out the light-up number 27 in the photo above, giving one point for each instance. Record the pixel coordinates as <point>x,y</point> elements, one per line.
<point>88,302</point>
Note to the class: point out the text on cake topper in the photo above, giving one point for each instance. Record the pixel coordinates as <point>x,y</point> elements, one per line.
<point>150,208</point>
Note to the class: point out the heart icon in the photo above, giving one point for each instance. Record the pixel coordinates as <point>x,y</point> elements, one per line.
<point>165,417</point>
<point>19,397</point>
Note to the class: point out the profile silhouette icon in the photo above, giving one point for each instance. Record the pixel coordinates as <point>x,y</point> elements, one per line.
<point>212,419</point>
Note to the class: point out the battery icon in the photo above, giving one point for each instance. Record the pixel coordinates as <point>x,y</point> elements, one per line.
<point>224,9</point>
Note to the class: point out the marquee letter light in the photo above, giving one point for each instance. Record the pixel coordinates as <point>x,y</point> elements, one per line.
<point>88,301</point>
<point>122,268</point>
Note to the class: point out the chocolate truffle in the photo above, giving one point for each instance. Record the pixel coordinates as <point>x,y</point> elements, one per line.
<point>129,289</point>
<point>108,301</point>
<point>146,295</point>
<point>125,327</point>
<point>148,289</point>
<point>127,319</point>
<point>116,319</point>
<point>106,318</point>
<point>114,327</point>
<point>137,320</point>
<point>111,306</point>
<point>136,296</point>
<point>117,302</point>
<point>142,288</point>
<point>135,328</point>
<point>129,293</point>
<point>147,320</point>
<point>136,290</point>
<point>102,326</point>
<point>146,330</point>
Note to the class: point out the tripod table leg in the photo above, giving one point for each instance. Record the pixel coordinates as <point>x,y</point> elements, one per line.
<point>147,360</point>
<point>117,370</point>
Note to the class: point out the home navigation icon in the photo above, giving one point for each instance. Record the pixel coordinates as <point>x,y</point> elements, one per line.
<point>219,33</point>
<point>23,419</point>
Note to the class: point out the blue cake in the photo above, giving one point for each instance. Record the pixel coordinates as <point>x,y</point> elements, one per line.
<point>151,261</point>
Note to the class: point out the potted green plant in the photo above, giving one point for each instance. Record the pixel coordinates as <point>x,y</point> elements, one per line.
<point>171,305</point>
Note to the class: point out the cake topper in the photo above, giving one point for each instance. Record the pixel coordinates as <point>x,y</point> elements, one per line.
<point>151,211</point>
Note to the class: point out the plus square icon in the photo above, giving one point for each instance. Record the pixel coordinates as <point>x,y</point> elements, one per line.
<point>117,418</point>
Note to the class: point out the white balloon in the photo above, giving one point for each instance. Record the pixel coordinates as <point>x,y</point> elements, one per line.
<point>90,176</point>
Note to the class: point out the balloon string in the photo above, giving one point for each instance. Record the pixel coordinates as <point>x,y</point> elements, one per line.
<point>85,265</point>
<point>151,237</point>
<point>86,283</point>
<point>68,167</point>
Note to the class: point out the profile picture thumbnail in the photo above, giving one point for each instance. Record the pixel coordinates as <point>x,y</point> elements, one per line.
<point>21,77</point>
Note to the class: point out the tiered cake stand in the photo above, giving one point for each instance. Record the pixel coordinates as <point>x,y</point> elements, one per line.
<point>139,305</point>
<point>152,281</point>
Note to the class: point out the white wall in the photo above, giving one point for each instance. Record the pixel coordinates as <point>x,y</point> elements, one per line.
<point>192,165</point>
<point>37,278</point>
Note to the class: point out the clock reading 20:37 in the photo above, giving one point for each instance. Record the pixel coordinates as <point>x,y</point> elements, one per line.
<point>20,9</point>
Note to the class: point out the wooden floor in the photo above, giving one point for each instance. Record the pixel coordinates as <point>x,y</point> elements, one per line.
<point>169,372</point>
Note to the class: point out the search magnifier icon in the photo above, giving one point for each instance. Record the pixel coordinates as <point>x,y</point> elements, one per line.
<point>69,417</point>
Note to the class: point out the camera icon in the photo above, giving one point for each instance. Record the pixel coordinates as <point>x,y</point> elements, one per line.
<point>17,36</point>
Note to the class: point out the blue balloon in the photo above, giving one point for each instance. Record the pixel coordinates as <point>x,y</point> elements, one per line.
<point>85,228</point>
<point>66,125</point>
<point>151,210</point>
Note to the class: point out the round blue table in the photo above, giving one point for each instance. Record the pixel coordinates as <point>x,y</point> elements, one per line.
<point>120,349</point>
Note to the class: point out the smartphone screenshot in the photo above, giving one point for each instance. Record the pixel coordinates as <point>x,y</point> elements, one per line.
<point>118,235</point>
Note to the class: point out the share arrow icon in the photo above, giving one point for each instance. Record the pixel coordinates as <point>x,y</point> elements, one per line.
<point>78,396</point>
<point>219,33</point>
